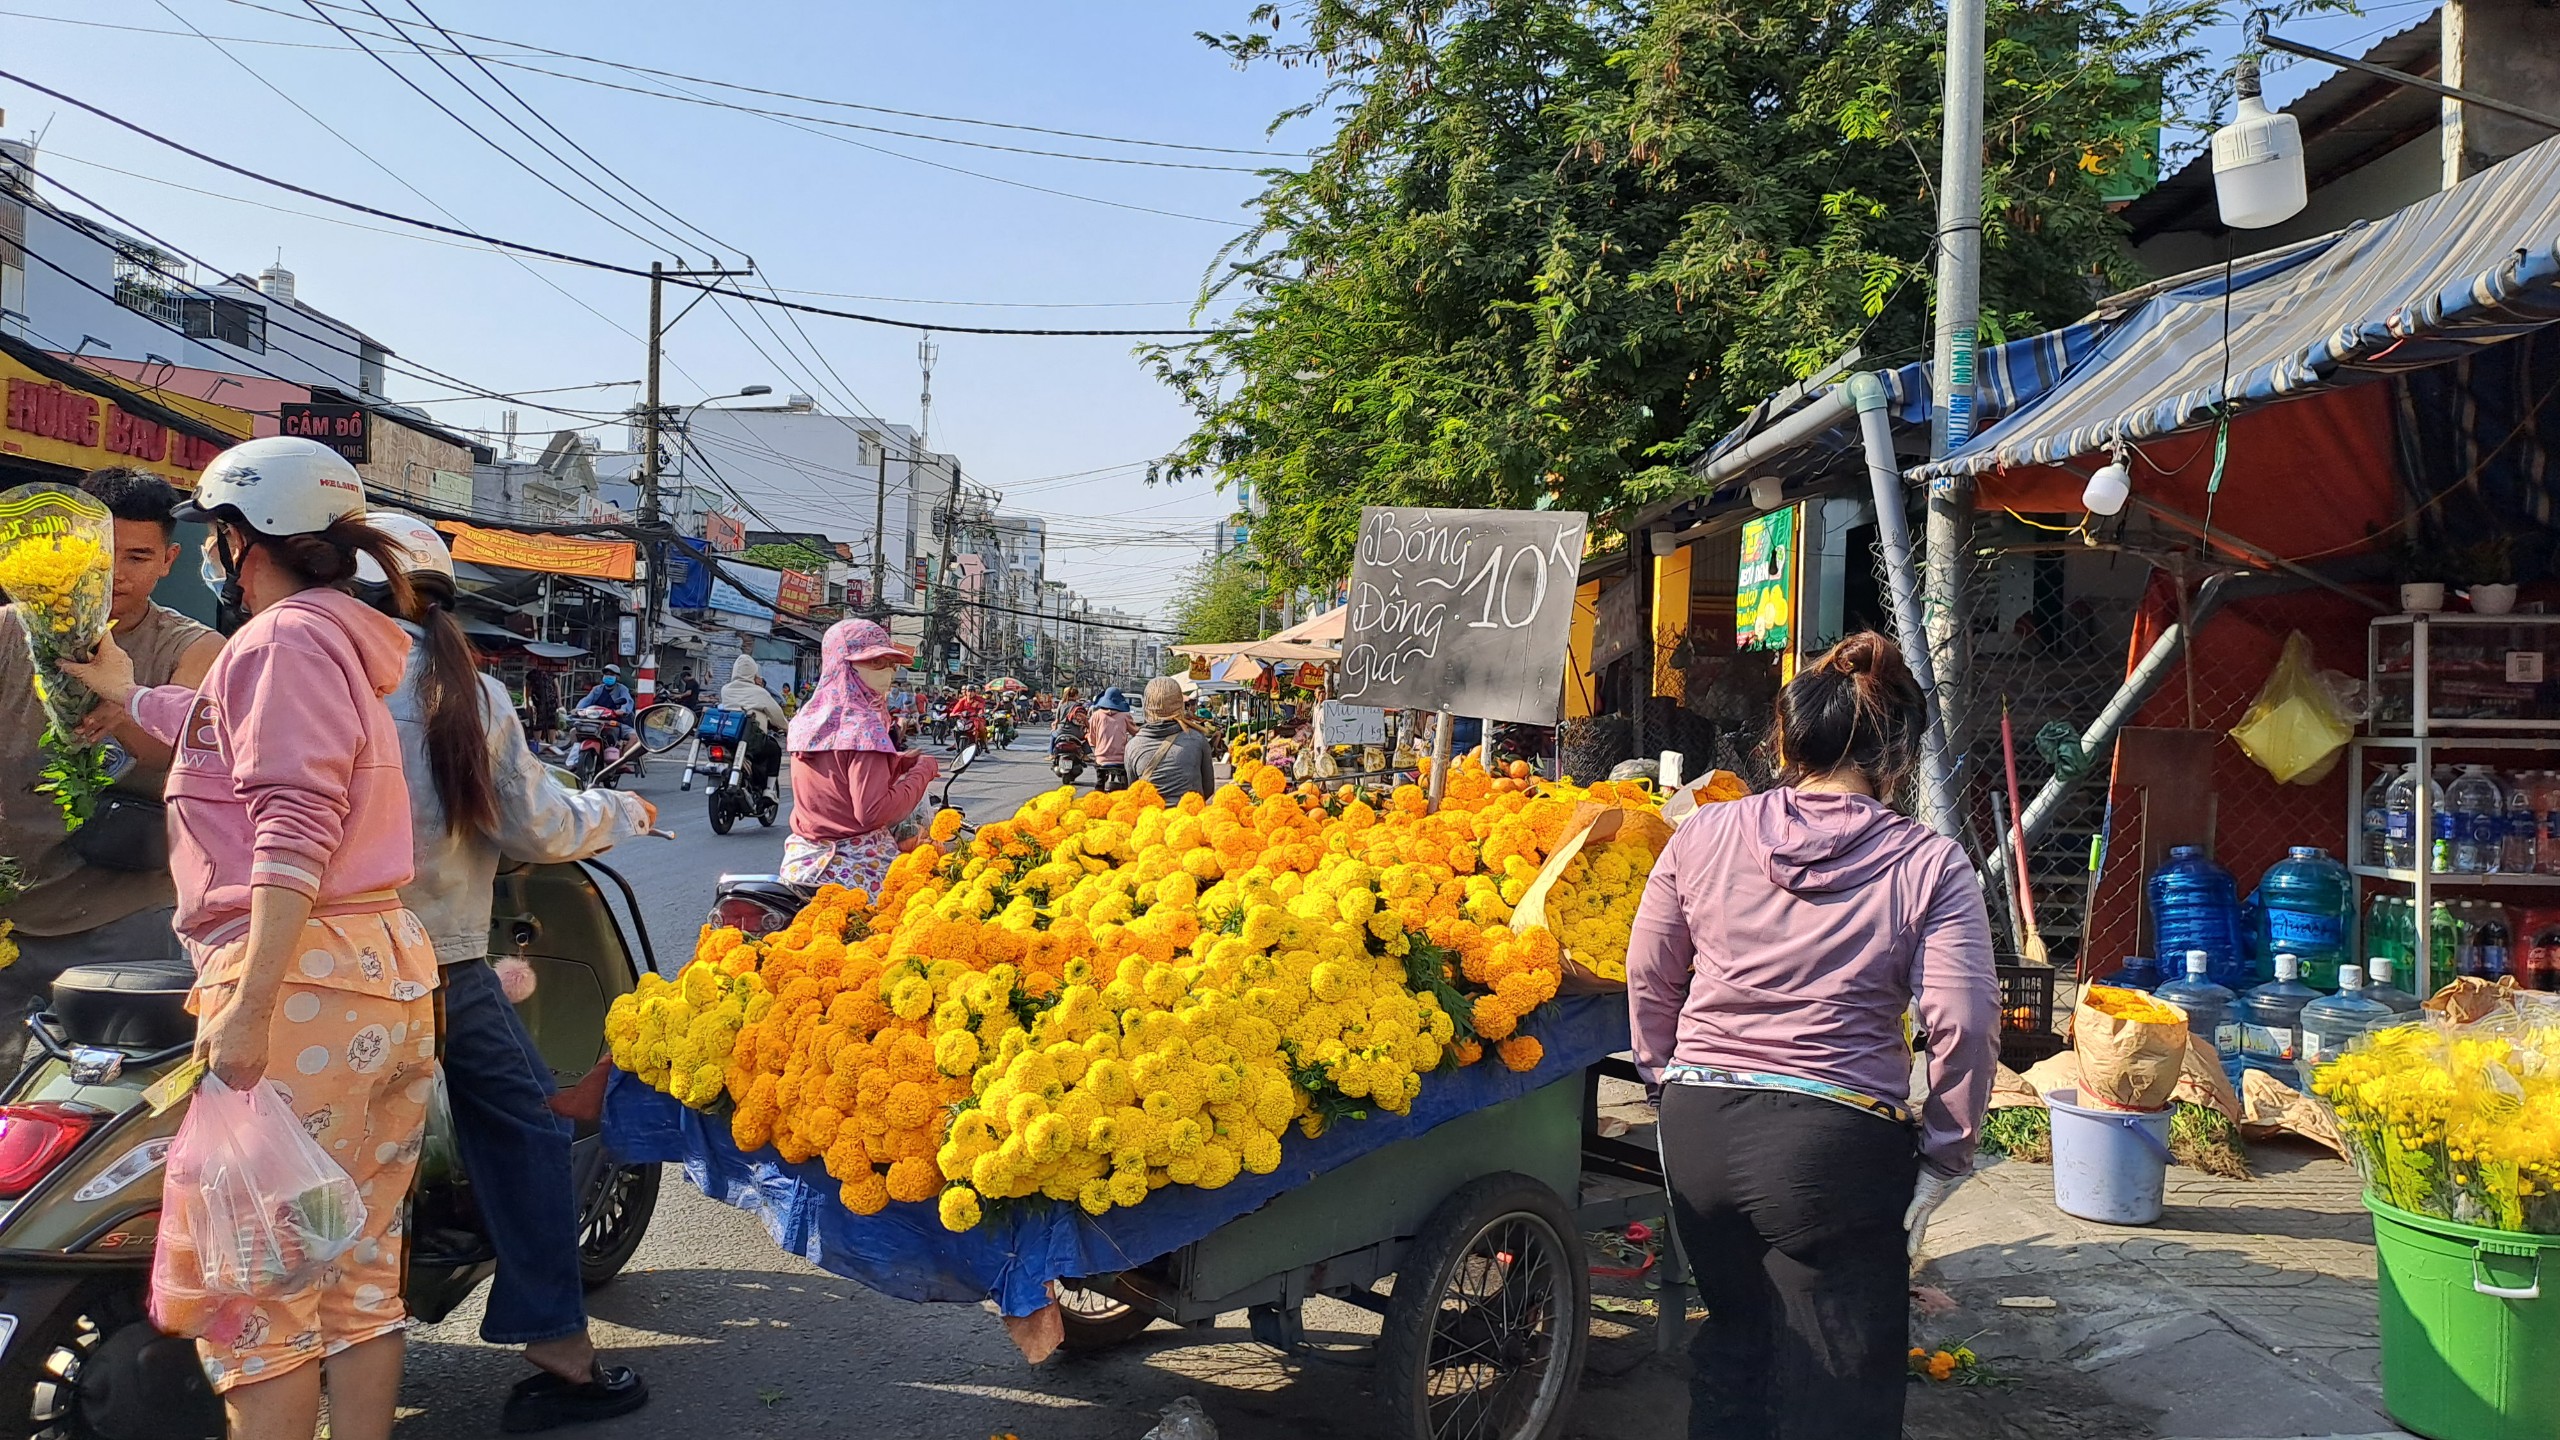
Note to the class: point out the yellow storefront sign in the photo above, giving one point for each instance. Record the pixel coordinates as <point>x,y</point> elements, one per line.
<point>84,428</point>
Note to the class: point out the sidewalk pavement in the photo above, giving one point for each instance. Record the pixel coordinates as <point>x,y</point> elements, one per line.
<point>2247,1311</point>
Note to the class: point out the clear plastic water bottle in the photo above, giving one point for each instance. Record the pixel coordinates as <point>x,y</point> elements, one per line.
<point>2376,831</point>
<point>2402,845</point>
<point>2195,905</point>
<point>2479,811</point>
<point>2271,1021</point>
<point>2382,992</point>
<point>2305,907</point>
<point>2329,1022</point>
<point>2210,1010</point>
<point>2520,837</point>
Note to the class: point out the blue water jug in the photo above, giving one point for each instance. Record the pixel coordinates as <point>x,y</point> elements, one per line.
<point>2211,1010</point>
<point>2195,905</point>
<point>2305,907</point>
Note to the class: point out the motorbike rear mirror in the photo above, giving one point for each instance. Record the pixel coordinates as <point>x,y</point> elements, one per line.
<point>968,757</point>
<point>665,726</point>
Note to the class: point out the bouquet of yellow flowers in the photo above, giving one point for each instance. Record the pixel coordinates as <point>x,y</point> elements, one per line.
<point>2458,1121</point>
<point>57,565</point>
<point>1100,996</point>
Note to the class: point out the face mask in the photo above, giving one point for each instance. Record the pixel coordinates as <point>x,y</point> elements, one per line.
<point>878,677</point>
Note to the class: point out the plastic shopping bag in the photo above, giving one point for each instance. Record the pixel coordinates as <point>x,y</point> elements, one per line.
<point>2296,727</point>
<point>253,1208</point>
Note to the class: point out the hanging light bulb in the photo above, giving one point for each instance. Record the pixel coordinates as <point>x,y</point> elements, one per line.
<point>2107,490</point>
<point>1768,492</point>
<point>2257,159</point>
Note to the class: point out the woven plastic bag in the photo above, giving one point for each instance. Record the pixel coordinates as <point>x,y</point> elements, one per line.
<point>255,1209</point>
<point>2296,727</point>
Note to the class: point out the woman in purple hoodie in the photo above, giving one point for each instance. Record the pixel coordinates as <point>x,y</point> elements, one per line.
<point>1780,941</point>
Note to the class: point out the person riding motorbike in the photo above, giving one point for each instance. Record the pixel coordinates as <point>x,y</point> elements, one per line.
<point>765,720</point>
<point>87,897</point>
<point>1109,730</point>
<point>476,796</point>
<point>969,719</point>
<point>611,694</point>
<point>289,840</point>
<point>850,786</point>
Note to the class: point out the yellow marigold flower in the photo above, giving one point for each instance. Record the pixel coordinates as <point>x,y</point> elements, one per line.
<point>865,1194</point>
<point>959,1209</point>
<point>946,825</point>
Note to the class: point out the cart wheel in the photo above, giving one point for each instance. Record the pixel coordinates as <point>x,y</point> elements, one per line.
<point>1097,1320</point>
<point>1484,1335</point>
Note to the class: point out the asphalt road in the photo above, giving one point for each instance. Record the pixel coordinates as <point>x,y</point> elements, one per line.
<point>737,1338</point>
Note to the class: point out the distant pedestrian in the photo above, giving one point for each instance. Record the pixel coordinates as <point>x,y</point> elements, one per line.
<point>1109,732</point>
<point>1168,754</point>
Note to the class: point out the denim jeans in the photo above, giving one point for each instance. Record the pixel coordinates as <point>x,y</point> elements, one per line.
<point>516,1152</point>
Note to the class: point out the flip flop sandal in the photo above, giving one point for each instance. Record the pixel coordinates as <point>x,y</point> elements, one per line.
<point>547,1402</point>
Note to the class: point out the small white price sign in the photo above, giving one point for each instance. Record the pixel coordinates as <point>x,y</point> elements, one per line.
<point>2524,667</point>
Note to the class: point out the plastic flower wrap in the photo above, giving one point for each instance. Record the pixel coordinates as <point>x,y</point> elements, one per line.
<point>2460,1121</point>
<point>1100,996</point>
<point>57,565</point>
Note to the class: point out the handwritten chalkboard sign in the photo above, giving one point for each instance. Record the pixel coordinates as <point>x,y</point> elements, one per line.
<point>1467,611</point>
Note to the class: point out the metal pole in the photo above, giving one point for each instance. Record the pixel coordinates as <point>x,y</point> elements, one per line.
<point>880,532</point>
<point>2415,82</point>
<point>1950,522</point>
<point>1893,537</point>
<point>649,466</point>
<point>1442,731</point>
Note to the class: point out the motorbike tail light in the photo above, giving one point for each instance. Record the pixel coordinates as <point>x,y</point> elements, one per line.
<point>752,918</point>
<point>36,1137</point>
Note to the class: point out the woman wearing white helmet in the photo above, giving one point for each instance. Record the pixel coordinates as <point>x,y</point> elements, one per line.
<point>289,840</point>
<point>476,795</point>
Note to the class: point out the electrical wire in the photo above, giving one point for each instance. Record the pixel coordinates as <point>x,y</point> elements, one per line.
<point>637,69</point>
<point>587,262</point>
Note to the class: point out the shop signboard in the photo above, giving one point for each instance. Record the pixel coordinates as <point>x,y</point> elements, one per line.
<point>629,638</point>
<point>1340,724</point>
<point>800,592</point>
<point>343,428</point>
<point>749,591</point>
<point>1764,591</point>
<point>1467,611</point>
<point>59,424</point>
<point>726,534</point>
<point>1618,624</point>
<point>543,554</point>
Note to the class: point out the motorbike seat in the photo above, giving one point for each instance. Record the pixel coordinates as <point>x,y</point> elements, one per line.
<point>133,1004</point>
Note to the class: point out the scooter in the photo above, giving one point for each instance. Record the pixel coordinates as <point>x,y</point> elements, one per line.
<point>595,757</point>
<point>1069,753</point>
<point>733,796</point>
<point>82,1150</point>
<point>759,904</point>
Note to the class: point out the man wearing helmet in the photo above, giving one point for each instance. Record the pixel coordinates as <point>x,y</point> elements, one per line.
<point>611,694</point>
<point>102,893</point>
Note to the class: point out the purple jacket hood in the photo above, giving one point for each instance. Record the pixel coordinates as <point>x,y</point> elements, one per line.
<point>1819,843</point>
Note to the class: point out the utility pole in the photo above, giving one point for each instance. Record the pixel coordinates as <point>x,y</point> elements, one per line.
<point>652,430</point>
<point>1950,519</point>
<point>880,529</point>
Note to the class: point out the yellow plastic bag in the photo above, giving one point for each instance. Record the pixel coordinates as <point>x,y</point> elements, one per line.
<point>2296,727</point>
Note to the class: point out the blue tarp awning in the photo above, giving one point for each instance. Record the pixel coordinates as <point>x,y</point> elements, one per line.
<point>2433,283</point>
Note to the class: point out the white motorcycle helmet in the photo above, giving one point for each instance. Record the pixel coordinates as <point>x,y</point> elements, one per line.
<point>428,554</point>
<point>277,485</point>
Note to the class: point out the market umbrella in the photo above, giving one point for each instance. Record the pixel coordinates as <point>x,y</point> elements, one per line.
<point>1006,682</point>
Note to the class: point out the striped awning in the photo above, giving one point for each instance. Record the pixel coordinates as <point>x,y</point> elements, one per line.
<point>2463,269</point>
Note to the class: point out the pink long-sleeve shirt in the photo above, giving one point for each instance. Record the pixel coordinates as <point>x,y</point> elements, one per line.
<point>1786,933</point>
<point>286,765</point>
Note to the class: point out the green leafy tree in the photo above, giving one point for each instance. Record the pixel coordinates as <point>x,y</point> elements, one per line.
<point>791,555</point>
<point>1553,248</point>
<point>1221,601</point>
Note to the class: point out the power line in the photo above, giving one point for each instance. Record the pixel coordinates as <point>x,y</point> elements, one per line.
<point>483,137</point>
<point>630,67</point>
<point>588,262</point>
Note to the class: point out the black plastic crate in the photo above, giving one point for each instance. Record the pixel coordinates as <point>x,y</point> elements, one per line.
<point>2026,1015</point>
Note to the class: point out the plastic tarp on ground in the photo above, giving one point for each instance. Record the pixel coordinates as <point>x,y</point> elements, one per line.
<point>1013,1255</point>
<point>2470,267</point>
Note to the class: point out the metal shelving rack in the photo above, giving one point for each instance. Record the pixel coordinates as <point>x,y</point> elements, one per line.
<point>2426,733</point>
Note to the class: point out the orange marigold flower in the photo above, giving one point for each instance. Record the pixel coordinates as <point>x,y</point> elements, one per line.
<point>1521,1053</point>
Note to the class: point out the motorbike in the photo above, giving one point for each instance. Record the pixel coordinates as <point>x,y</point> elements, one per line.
<point>759,904</point>
<point>1003,732</point>
<point>596,756</point>
<point>82,1148</point>
<point>720,756</point>
<point>1069,753</point>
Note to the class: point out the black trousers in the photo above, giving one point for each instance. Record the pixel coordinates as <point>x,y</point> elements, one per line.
<point>1790,1208</point>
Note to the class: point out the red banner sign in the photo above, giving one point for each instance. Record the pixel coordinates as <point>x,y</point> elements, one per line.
<point>802,592</point>
<point>726,534</point>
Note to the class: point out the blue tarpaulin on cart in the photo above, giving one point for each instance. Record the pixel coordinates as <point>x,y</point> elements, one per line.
<point>1013,1255</point>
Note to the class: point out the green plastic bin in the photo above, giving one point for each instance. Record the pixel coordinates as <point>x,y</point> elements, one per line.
<point>2470,1327</point>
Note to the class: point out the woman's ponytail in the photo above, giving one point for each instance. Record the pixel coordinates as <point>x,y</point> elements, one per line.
<point>1859,708</point>
<point>457,727</point>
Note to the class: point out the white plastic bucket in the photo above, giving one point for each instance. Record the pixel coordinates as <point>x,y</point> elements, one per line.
<point>2111,1166</point>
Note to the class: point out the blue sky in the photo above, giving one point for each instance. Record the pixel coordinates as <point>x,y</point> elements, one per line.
<point>1061,426</point>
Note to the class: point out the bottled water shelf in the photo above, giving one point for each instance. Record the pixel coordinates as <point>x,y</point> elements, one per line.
<point>2501,880</point>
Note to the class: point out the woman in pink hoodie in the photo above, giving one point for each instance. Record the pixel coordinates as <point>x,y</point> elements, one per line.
<point>289,840</point>
<point>1780,941</point>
